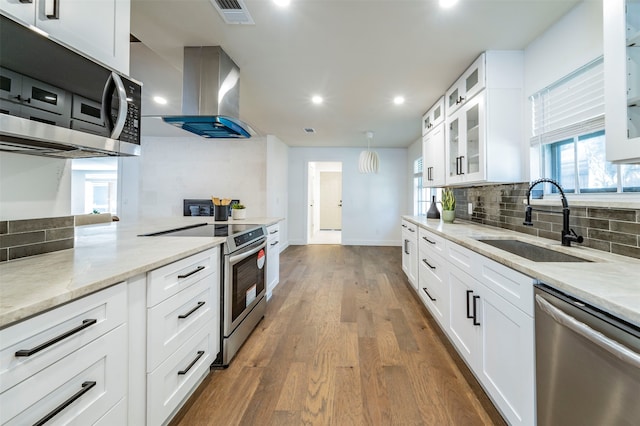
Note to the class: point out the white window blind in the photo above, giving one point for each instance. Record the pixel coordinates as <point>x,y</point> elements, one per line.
<point>571,106</point>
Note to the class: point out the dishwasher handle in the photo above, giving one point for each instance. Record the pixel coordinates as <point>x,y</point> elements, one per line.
<point>616,349</point>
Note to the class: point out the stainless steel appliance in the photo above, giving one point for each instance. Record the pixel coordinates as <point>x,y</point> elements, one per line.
<point>587,363</point>
<point>243,301</point>
<point>55,102</point>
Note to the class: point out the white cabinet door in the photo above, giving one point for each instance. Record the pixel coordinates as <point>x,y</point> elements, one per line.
<point>433,117</point>
<point>433,157</point>
<point>97,28</point>
<point>468,84</point>
<point>410,252</point>
<point>273,257</point>
<point>622,79</point>
<point>24,12</point>
<point>506,367</point>
<point>464,315</point>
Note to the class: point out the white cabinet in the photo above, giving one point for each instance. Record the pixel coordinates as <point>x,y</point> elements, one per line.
<point>483,131</point>
<point>74,352</point>
<point>468,84</point>
<point>494,330</point>
<point>183,330</point>
<point>433,117</point>
<point>433,276</point>
<point>622,79</point>
<point>97,28</point>
<point>433,157</point>
<point>273,257</point>
<point>410,252</point>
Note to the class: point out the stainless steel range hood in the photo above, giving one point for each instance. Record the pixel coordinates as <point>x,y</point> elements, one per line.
<point>210,95</point>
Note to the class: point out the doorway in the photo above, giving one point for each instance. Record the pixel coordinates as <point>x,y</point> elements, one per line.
<point>324,218</point>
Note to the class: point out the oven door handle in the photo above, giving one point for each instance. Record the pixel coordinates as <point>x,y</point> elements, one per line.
<point>614,348</point>
<point>247,251</point>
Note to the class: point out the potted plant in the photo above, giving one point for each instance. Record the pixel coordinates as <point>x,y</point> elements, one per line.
<point>448,205</point>
<point>238,211</point>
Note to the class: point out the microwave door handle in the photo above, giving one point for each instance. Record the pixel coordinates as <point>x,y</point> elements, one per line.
<point>616,349</point>
<point>114,128</point>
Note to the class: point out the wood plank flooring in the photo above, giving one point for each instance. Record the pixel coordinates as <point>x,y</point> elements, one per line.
<point>345,341</point>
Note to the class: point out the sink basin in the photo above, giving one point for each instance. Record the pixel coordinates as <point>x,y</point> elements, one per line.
<point>531,251</point>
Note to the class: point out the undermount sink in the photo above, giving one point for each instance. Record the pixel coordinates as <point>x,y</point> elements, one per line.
<point>532,251</point>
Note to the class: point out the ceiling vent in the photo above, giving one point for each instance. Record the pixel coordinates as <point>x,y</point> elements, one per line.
<point>309,130</point>
<point>233,11</point>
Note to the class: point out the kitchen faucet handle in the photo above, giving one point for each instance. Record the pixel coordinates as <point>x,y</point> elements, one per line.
<point>578,238</point>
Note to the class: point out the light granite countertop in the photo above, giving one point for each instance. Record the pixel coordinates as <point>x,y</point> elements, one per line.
<point>610,282</point>
<point>104,255</point>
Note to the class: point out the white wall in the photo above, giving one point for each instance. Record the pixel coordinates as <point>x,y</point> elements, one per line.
<point>573,41</point>
<point>34,187</point>
<point>172,169</point>
<point>372,203</point>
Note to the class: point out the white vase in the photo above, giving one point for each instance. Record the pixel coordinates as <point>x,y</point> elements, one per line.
<point>238,214</point>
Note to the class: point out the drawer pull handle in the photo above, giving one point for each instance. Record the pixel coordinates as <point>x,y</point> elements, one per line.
<point>475,310</point>
<point>412,230</point>
<point>428,264</point>
<point>28,352</point>
<point>86,387</point>
<point>273,232</point>
<point>425,290</point>
<point>428,240</point>
<point>198,269</point>
<point>182,372</point>
<point>274,244</point>
<point>198,306</point>
<point>468,310</point>
<point>404,226</point>
<point>52,9</point>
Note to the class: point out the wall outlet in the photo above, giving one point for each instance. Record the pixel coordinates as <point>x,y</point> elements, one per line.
<point>470,208</point>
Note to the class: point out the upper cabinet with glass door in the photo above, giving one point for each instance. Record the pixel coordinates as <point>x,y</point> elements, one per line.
<point>483,136</point>
<point>433,117</point>
<point>622,80</point>
<point>470,82</point>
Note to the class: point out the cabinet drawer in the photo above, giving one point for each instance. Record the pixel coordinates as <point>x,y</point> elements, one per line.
<point>176,319</point>
<point>273,231</point>
<point>430,242</point>
<point>168,280</point>
<point>91,316</point>
<point>433,288</point>
<point>94,376</point>
<point>513,286</point>
<point>174,380</point>
<point>463,258</point>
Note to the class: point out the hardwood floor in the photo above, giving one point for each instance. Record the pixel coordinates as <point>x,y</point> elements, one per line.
<point>345,341</point>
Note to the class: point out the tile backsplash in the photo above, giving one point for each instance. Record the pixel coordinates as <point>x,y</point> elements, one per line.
<point>22,238</point>
<point>613,230</point>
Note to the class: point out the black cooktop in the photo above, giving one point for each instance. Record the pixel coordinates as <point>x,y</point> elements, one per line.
<point>204,230</point>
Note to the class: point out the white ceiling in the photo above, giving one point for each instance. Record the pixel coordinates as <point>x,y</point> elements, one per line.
<point>357,54</point>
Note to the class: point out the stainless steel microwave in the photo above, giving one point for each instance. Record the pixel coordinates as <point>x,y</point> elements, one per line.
<point>56,102</point>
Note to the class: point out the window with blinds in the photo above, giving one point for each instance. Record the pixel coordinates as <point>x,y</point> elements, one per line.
<point>568,128</point>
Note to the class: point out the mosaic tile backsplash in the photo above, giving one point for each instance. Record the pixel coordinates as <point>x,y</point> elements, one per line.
<point>613,230</point>
<point>22,238</point>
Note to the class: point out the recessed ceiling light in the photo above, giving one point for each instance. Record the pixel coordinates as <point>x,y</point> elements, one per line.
<point>316,99</point>
<point>282,3</point>
<point>446,4</point>
<point>159,100</point>
<point>398,100</point>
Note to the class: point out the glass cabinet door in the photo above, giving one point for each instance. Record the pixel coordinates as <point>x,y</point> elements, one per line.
<point>473,140</point>
<point>454,150</point>
<point>633,68</point>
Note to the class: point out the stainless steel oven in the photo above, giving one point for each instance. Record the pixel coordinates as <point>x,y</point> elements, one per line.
<point>244,288</point>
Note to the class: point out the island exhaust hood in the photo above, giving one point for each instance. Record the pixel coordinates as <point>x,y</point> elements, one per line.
<point>210,95</point>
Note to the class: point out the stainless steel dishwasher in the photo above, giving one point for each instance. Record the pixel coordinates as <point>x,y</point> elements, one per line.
<point>587,363</point>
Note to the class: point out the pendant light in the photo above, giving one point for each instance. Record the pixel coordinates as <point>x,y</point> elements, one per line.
<point>368,162</point>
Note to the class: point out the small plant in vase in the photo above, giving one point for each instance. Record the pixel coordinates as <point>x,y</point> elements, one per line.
<point>238,211</point>
<point>448,205</point>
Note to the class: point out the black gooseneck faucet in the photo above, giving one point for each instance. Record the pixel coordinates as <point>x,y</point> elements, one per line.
<point>568,234</point>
